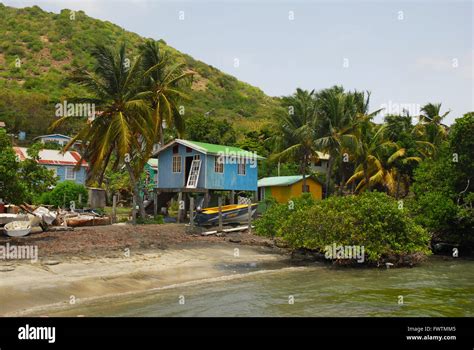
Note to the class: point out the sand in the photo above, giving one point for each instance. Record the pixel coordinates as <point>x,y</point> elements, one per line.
<point>90,264</point>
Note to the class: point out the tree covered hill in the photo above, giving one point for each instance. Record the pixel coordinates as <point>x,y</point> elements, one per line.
<point>39,49</point>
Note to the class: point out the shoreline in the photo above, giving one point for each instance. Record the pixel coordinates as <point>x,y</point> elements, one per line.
<point>103,263</point>
<point>64,276</point>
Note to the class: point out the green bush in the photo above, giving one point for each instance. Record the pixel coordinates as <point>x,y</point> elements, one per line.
<point>277,214</point>
<point>158,219</point>
<point>372,220</point>
<point>64,193</point>
<point>435,211</point>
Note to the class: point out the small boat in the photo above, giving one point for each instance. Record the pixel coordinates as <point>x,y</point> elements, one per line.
<point>8,217</point>
<point>17,228</point>
<point>234,213</point>
<point>87,220</point>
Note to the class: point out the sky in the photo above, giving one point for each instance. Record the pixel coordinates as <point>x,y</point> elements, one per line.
<point>406,53</point>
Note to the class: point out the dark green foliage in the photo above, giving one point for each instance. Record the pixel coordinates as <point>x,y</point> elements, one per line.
<point>64,193</point>
<point>202,129</point>
<point>277,214</point>
<point>154,220</point>
<point>461,139</point>
<point>443,201</point>
<point>372,220</point>
<point>11,188</point>
<point>22,181</point>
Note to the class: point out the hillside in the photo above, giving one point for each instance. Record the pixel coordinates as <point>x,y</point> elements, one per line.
<point>39,49</point>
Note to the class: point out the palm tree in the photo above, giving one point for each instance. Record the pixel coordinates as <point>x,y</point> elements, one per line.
<point>413,148</point>
<point>123,125</point>
<point>164,83</point>
<point>369,148</point>
<point>295,134</point>
<point>336,112</point>
<point>381,160</point>
<point>430,126</point>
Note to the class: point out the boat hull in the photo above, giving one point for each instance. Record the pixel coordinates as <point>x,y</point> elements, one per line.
<point>87,221</point>
<point>230,214</point>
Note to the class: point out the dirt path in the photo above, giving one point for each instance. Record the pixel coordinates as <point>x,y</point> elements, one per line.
<point>112,240</point>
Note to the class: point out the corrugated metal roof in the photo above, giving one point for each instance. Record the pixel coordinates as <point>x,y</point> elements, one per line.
<point>323,156</point>
<point>209,148</point>
<point>52,157</point>
<point>50,136</point>
<point>279,180</point>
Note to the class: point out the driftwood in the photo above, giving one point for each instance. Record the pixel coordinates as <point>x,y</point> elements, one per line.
<point>60,228</point>
<point>226,230</point>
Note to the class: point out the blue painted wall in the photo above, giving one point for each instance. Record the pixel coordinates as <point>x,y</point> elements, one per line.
<point>168,179</point>
<point>208,178</point>
<point>61,173</point>
<point>229,179</point>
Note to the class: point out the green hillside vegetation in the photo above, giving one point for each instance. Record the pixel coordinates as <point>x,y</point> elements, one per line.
<point>39,49</point>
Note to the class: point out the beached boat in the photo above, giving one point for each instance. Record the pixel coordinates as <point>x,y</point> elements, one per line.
<point>8,217</point>
<point>234,213</point>
<point>17,228</point>
<point>87,220</point>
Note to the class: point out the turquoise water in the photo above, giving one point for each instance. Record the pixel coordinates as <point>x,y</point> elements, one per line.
<point>436,288</point>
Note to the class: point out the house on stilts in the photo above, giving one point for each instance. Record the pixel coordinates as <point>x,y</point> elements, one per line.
<point>203,168</point>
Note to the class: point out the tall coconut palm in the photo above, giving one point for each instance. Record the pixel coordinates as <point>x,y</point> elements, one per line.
<point>370,144</point>
<point>336,112</point>
<point>164,82</point>
<point>294,139</point>
<point>430,126</point>
<point>122,126</point>
<point>380,160</point>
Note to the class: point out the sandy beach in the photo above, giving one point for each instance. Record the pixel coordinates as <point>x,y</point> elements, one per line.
<point>88,264</point>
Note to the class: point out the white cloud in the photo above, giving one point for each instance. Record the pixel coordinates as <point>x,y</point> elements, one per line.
<point>460,65</point>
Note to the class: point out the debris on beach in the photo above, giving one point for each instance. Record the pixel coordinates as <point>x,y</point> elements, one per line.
<point>226,230</point>
<point>21,219</point>
<point>18,228</point>
<point>89,219</point>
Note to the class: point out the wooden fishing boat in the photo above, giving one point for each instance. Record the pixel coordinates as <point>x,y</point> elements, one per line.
<point>234,213</point>
<point>5,218</point>
<point>17,228</point>
<point>87,220</point>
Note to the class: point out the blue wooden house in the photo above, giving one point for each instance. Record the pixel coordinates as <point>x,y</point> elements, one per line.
<point>60,139</point>
<point>65,166</point>
<point>190,166</point>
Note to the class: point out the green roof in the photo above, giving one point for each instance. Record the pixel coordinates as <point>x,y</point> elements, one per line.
<point>279,180</point>
<point>209,148</point>
<point>153,162</point>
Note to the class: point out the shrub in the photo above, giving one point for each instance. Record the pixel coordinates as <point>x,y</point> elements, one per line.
<point>435,211</point>
<point>64,193</point>
<point>158,219</point>
<point>277,214</point>
<point>372,220</point>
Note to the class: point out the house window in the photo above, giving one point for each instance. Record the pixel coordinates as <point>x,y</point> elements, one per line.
<point>70,173</point>
<point>241,167</point>
<point>189,149</point>
<point>175,149</point>
<point>197,157</point>
<point>219,164</point>
<point>317,162</point>
<point>305,188</point>
<point>176,164</point>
